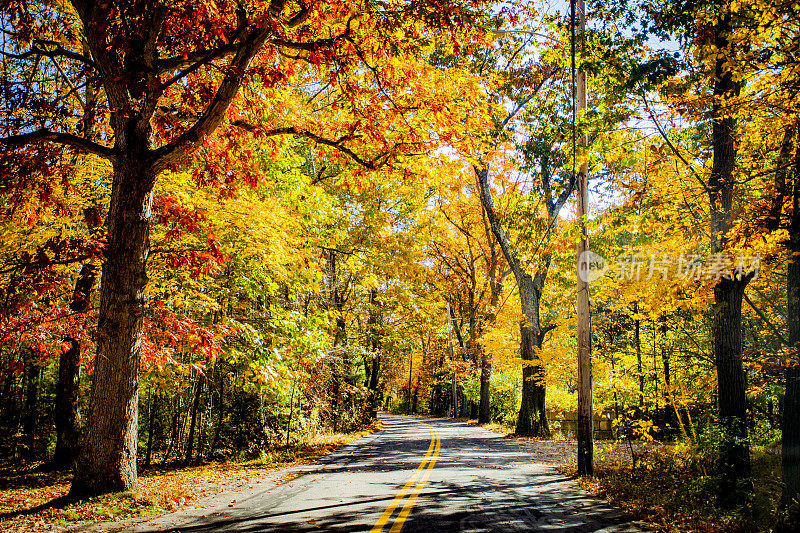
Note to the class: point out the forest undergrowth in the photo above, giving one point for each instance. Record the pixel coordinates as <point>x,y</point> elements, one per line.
<point>673,488</point>
<point>32,498</point>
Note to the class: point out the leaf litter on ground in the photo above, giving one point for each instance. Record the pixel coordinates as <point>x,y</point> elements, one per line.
<point>161,489</point>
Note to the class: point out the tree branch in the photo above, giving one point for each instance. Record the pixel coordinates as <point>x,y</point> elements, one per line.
<point>43,264</point>
<point>181,147</point>
<point>524,102</point>
<point>547,329</point>
<point>300,17</point>
<point>67,139</point>
<point>503,239</point>
<point>314,45</point>
<point>370,164</point>
<point>202,57</point>
<point>205,56</point>
<point>672,147</point>
<point>766,321</point>
<point>58,51</point>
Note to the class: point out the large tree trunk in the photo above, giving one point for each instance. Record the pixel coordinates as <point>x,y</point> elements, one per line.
<point>532,418</point>
<point>373,376</point>
<point>107,461</point>
<point>67,416</point>
<point>734,448</point>
<point>790,446</point>
<point>734,460</point>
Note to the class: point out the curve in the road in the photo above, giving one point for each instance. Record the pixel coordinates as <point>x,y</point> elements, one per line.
<point>415,476</point>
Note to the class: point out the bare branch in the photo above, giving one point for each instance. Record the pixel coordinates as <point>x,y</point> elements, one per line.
<point>482,176</point>
<point>205,56</point>
<point>67,139</point>
<point>202,57</point>
<point>672,146</point>
<point>43,264</point>
<point>300,17</point>
<point>370,164</point>
<point>525,101</point>
<point>58,51</point>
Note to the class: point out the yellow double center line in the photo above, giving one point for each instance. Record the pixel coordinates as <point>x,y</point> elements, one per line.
<point>422,473</point>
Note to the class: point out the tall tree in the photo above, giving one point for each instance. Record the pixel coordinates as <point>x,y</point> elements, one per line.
<point>167,85</point>
<point>470,262</point>
<point>532,419</point>
<point>728,293</point>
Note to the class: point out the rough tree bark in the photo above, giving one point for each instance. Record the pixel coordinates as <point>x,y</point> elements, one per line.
<point>532,418</point>
<point>734,459</point>
<point>789,185</point>
<point>790,446</point>
<point>108,458</point>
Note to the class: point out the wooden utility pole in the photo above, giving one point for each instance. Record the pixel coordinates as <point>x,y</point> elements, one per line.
<point>585,425</point>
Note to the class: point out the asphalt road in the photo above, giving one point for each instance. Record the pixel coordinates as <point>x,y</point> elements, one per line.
<point>417,474</point>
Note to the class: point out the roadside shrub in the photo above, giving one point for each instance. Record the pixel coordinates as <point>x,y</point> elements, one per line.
<point>506,395</point>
